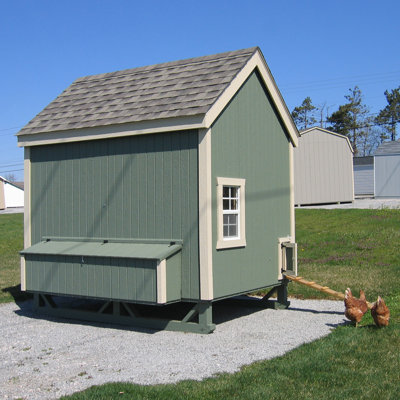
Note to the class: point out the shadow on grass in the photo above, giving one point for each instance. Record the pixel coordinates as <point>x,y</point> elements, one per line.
<point>17,294</point>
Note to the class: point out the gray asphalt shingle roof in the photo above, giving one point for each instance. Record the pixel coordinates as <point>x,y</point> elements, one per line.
<point>174,89</point>
<point>388,148</point>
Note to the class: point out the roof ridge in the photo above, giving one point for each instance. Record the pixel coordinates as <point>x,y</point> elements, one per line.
<point>169,64</point>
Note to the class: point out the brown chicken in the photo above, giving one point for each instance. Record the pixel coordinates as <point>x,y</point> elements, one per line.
<point>380,313</point>
<point>355,308</point>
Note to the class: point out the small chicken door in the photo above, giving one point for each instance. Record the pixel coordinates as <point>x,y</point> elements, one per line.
<point>287,257</point>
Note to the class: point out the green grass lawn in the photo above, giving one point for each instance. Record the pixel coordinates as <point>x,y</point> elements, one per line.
<point>337,248</point>
<point>11,242</point>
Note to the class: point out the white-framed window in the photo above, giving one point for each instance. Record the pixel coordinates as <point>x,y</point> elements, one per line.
<point>231,212</point>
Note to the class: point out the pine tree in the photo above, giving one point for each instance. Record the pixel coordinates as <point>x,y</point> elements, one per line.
<point>351,118</point>
<point>389,117</point>
<point>303,115</point>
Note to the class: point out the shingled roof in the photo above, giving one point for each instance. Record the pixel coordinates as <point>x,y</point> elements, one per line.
<point>174,89</point>
<point>186,94</point>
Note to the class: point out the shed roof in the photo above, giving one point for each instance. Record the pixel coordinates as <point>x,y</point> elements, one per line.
<point>326,131</point>
<point>19,185</point>
<point>392,147</point>
<point>179,95</point>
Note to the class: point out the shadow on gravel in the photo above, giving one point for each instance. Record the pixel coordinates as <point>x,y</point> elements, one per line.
<point>223,311</point>
<point>308,310</point>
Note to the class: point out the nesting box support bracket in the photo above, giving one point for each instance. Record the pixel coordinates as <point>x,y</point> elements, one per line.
<point>122,313</point>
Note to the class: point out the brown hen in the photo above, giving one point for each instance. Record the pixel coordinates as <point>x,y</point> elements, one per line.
<point>380,313</point>
<point>355,308</point>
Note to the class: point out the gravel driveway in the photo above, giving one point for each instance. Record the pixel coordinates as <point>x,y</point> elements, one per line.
<point>44,358</point>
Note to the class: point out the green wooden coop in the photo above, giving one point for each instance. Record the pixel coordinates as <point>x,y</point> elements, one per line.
<point>171,183</point>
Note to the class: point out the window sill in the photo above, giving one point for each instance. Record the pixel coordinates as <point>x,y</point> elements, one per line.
<point>229,244</point>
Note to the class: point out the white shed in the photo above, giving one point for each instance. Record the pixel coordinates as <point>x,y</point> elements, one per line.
<point>363,176</point>
<point>387,170</point>
<point>11,195</point>
<point>323,165</point>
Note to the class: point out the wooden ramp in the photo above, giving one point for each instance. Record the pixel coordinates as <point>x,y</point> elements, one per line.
<point>313,285</point>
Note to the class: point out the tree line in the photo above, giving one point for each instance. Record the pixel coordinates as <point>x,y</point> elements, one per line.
<point>353,119</point>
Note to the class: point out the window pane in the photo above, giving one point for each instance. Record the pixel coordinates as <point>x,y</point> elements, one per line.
<point>225,191</point>
<point>234,204</point>
<point>225,204</point>
<point>232,230</point>
<point>234,191</point>
<point>232,219</point>
<point>230,225</point>
<point>226,230</point>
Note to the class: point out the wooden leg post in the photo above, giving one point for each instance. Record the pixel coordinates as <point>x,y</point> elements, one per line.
<point>282,300</point>
<point>205,317</point>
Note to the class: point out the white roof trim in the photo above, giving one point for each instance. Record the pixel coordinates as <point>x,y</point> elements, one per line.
<point>328,132</point>
<point>256,61</point>
<point>179,123</point>
<point>105,132</point>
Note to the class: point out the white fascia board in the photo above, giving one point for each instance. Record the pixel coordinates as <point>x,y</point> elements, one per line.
<point>256,61</point>
<point>112,131</point>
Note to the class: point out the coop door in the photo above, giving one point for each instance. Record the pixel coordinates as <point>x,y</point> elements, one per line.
<point>287,258</point>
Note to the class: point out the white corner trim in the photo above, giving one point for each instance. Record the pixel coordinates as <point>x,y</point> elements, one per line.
<point>231,243</point>
<point>256,61</point>
<point>205,216</point>
<point>27,212</point>
<point>27,197</point>
<point>291,183</point>
<point>162,282</point>
<point>23,274</point>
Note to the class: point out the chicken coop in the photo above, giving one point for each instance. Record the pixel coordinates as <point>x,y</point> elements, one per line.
<point>160,185</point>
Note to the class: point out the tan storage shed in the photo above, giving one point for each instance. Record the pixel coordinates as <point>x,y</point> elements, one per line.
<point>323,168</point>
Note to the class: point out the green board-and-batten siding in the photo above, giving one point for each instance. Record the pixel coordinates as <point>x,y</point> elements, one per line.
<point>248,141</point>
<point>143,187</point>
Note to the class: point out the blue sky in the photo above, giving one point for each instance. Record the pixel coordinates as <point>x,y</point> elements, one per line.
<point>314,48</point>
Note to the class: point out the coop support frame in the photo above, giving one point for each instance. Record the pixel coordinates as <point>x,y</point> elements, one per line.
<point>197,320</point>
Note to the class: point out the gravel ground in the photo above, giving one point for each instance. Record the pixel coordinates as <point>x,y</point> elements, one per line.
<point>368,203</point>
<point>12,210</point>
<point>45,358</point>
